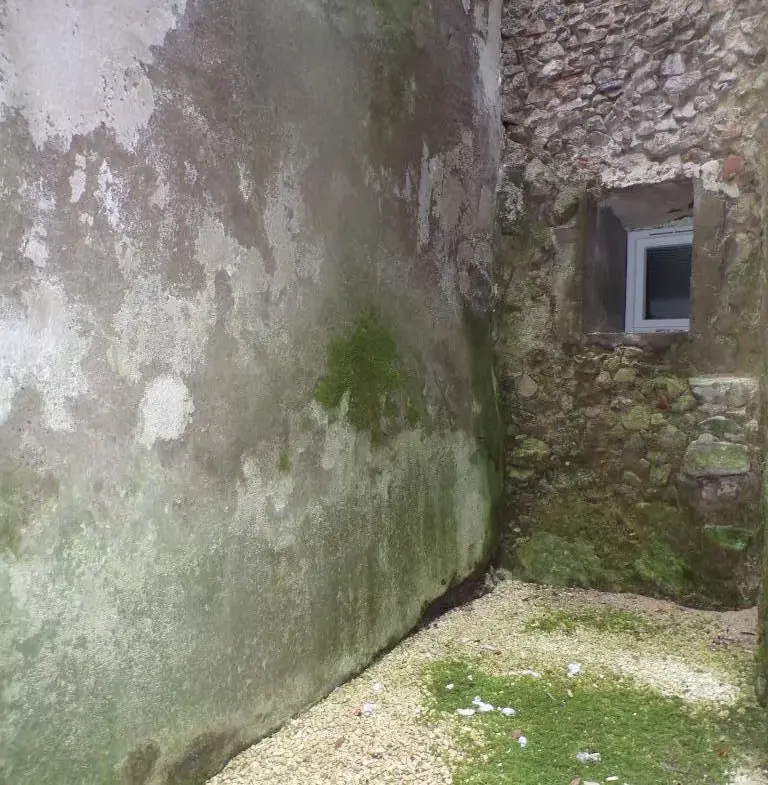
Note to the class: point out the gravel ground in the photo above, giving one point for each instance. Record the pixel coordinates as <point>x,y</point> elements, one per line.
<point>377,729</point>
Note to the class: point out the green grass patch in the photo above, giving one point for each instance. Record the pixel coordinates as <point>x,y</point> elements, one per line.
<point>643,738</point>
<point>605,619</point>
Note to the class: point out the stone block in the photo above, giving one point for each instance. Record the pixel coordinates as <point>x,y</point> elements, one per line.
<point>566,205</point>
<point>525,386</point>
<point>659,475</point>
<point>553,68</point>
<point>731,538</point>
<point>705,458</point>
<point>685,403</point>
<point>670,439</point>
<point>673,65</point>
<point>684,83</point>
<point>732,166</point>
<point>670,386</point>
<point>730,391</point>
<point>637,419</point>
<point>551,51</point>
<point>532,452</point>
<point>721,427</point>
<point>632,480</point>
<point>604,381</point>
<point>625,376</point>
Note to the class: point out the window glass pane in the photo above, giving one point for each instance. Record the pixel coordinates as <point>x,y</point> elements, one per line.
<point>668,282</point>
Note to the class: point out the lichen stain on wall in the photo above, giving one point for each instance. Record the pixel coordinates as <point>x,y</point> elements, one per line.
<point>165,410</point>
<point>42,343</point>
<point>155,328</point>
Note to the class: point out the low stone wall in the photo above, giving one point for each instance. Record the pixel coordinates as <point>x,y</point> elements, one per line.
<point>626,472</point>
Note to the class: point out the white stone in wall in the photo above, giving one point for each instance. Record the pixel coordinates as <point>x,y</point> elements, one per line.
<point>673,65</point>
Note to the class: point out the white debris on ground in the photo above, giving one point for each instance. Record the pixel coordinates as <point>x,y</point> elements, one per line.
<point>377,728</point>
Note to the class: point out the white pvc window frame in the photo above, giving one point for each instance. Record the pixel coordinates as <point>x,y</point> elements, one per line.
<point>638,243</point>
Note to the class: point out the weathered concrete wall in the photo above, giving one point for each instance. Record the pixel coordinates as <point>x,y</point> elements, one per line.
<point>246,410</point>
<point>601,97</point>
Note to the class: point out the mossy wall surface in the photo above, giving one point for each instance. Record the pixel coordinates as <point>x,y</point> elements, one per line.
<point>248,423</point>
<point>625,475</point>
<point>632,462</point>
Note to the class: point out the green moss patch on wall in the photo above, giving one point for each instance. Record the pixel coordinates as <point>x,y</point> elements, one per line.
<point>365,368</point>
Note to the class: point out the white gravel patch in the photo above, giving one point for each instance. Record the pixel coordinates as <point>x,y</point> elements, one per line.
<point>377,728</point>
<point>356,735</point>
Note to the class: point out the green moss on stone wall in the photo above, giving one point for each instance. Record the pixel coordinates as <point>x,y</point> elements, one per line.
<point>611,453</point>
<point>551,559</point>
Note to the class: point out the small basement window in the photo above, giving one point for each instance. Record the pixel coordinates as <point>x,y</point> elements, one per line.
<point>638,259</point>
<point>659,264</point>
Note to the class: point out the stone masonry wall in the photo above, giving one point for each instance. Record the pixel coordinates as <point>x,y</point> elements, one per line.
<point>589,82</point>
<point>625,469</point>
<point>628,473</point>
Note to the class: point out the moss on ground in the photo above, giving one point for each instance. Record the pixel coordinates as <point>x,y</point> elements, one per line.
<point>602,619</point>
<point>643,738</point>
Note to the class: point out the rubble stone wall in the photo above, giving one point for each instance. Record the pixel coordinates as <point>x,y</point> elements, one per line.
<point>632,460</point>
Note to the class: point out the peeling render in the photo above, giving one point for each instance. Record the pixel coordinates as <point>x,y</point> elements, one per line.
<point>41,345</point>
<point>61,96</point>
